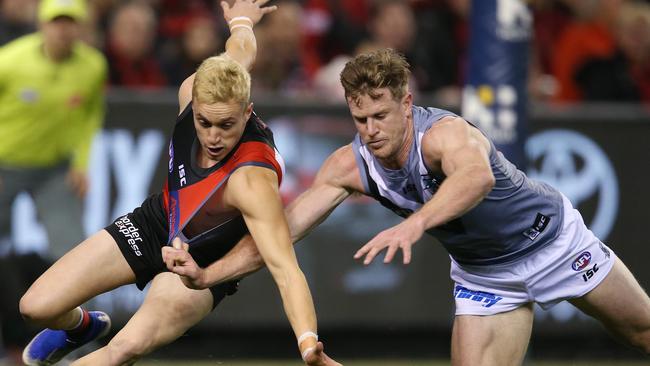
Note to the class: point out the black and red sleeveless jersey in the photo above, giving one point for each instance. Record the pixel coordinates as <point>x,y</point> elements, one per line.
<point>188,188</point>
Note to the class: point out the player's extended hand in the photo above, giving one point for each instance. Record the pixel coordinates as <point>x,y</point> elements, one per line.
<point>318,358</point>
<point>252,9</point>
<point>178,260</point>
<point>401,236</point>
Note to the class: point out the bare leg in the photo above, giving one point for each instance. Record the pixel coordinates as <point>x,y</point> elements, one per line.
<point>621,305</point>
<point>91,268</point>
<point>168,311</point>
<point>500,339</point>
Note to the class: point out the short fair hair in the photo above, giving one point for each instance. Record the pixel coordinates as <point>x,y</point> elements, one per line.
<point>220,79</point>
<point>384,68</point>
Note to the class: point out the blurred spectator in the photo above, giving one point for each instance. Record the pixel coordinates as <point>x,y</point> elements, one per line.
<point>428,45</point>
<point>16,19</point>
<point>591,36</point>
<point>94,28</point>
<point>332,28</point>
<point>445,58</point>
<point>200,40</point>
<point>392,25</point>
<point>99,17</point>
<point>51,105</point>
<point>551,18</point>
<point>176,15</point>
<point>327,82</point>
<point>131,45</point>
<point>624,75</point>
<point>279,65</point>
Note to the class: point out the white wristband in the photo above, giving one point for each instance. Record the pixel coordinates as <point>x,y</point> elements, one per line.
<point>240,18</point>
<point>307,334</point>
<point>241,26</point>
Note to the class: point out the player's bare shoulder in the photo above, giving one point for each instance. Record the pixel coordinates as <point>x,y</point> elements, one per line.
<point>340,170</point>
<point>451,133</point>
<point>250,184</point>
<point>448,127</point>
<point>185,93</point>
<point>251,177</point>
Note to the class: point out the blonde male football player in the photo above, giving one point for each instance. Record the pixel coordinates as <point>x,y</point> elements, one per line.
<point>224,174</point>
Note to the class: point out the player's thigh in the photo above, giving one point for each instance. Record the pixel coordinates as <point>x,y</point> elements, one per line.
<point>91,268</point>
<point>168,311</point>
<point>620,304</point>
<point>500,339</point>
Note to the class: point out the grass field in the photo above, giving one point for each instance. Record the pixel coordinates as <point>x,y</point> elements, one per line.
<point>381,363</point>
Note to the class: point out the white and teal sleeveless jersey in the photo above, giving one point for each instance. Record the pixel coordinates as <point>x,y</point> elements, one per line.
<point>517,216</point>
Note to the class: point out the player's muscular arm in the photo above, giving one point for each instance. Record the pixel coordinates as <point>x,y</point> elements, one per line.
<point>462,154</point>
<point>254,192</point>
<point>335,181</point>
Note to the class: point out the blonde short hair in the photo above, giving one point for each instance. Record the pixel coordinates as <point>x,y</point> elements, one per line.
<point>221,79</point>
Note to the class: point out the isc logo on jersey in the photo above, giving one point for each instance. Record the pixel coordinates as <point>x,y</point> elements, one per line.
<point>181,175</point>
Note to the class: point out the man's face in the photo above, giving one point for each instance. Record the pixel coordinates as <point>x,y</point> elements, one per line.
<point>60,35</point>
<point>381,122</point>
<point>219,127</point>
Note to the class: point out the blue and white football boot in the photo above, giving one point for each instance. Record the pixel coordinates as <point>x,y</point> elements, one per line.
<point>50,346</point>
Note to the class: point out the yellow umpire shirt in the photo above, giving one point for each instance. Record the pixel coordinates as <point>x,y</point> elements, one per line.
<point>49,112</point>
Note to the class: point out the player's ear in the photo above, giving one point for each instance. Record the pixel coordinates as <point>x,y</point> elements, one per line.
<point>407,102</point>
<point>248,111</point>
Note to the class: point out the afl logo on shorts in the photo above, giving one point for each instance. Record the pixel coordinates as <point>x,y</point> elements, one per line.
<point>582,261</point>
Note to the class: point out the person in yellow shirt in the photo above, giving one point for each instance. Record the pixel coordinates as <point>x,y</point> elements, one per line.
<point>51,105</point>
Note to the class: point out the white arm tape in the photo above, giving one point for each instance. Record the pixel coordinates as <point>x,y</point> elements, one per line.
<point>307,334</point>
<point>241,26</point>
<point>306,352</point>
<point>240,18</point>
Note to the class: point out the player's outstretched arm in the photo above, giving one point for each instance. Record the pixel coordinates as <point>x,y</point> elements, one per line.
<point>336,180</point>
<point>254,192</point>
<point>241,46</point>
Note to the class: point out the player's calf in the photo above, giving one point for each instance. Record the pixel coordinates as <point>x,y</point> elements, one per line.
<point>120,350</point>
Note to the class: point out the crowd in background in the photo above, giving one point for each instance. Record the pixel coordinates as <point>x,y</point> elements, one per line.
<point>596,50</point>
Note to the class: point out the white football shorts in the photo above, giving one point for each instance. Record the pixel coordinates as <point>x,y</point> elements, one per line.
<point>569,267</point>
